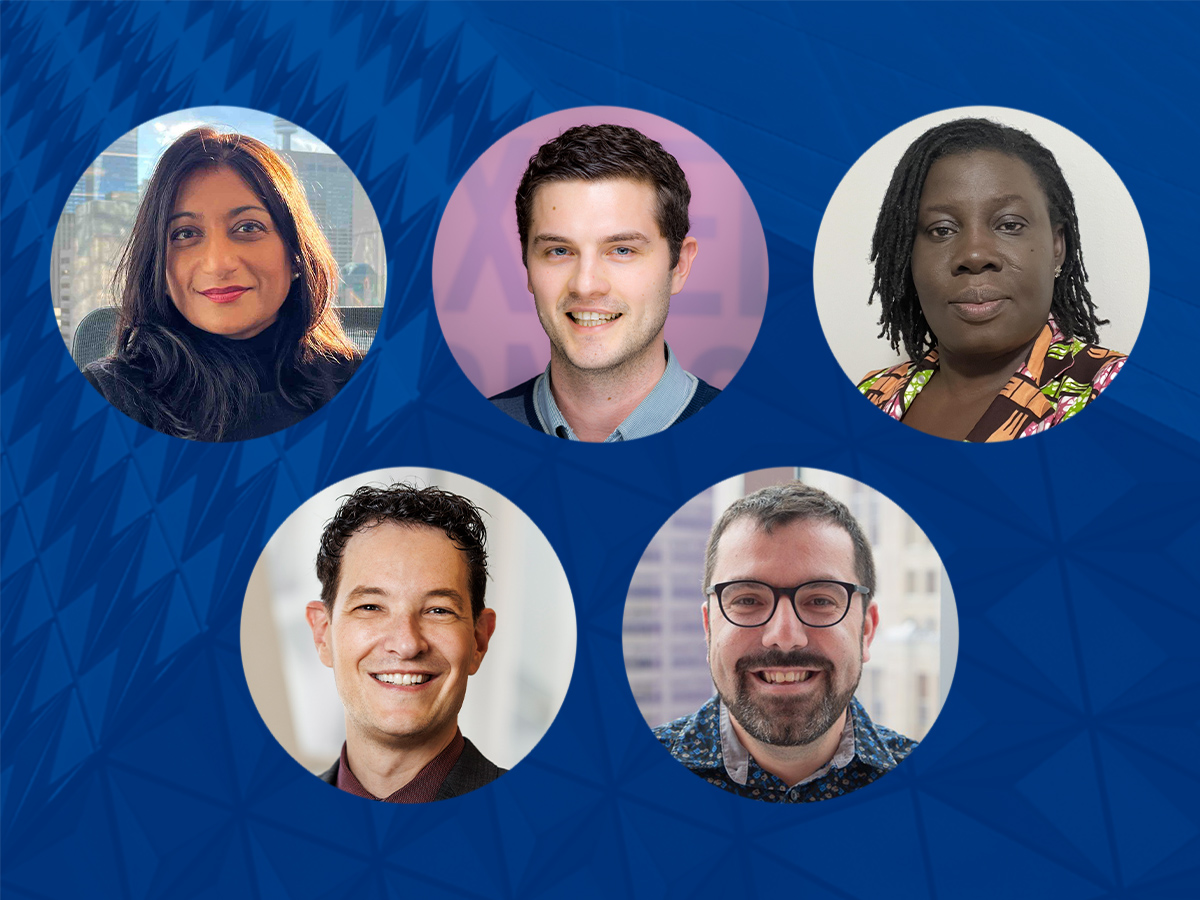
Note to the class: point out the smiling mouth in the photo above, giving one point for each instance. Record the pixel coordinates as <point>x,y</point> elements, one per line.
<point>225,294</point>
<point>790,677</point>
<point>592,319</point>
<point>402,678</point>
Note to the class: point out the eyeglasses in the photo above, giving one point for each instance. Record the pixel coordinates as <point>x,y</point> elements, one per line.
<point>818,604</point>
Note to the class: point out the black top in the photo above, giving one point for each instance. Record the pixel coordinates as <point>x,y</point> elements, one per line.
<point>266,412</point>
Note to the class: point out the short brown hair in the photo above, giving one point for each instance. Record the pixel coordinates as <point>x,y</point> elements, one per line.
<point>782,504</point>
<point>604,153</point>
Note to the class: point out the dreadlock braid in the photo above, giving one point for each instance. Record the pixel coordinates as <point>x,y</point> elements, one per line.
<point>901,320</point>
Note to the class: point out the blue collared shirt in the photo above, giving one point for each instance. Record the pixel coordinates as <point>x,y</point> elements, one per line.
<point>705,743</point>
<point>662,406</point>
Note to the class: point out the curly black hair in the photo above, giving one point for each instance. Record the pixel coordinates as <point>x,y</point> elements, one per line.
<point>605,152</point>
<point>901,319</point>
<point>405,504</point>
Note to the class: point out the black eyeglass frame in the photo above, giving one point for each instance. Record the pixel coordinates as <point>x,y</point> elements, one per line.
<point>851,590</point>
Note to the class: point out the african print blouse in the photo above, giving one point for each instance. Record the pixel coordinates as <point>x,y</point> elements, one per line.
<point>705,744</point>
<point>1058,379</point>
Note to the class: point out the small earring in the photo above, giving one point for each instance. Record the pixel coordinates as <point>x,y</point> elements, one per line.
<point>1057,271</point>
<point>295,275</point>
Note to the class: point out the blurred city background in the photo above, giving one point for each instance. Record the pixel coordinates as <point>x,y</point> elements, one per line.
<point>912,659</point>
<point>99,213</point>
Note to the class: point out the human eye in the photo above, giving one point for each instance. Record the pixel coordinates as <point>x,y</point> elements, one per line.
<point>557,252</point>
<point>747,596</point>
<point>940,230</point>
<point>185,233</point>
<point>622,252</point>
<point>822,599</point>
<point>249,227</point>
<point>1011,226</point>
<point>442,613</point>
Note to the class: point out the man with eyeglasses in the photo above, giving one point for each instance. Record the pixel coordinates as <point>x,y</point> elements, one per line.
<point>789,621</point>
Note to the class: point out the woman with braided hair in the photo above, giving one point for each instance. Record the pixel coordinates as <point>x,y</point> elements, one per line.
<point>980,277</point>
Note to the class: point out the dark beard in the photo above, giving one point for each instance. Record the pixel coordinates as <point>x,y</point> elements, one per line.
<point>787,721</point>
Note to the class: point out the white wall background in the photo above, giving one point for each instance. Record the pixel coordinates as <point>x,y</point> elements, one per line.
<point>1114,243</point>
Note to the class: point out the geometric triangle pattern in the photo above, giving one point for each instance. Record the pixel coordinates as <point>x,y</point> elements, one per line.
<point>134,764</point>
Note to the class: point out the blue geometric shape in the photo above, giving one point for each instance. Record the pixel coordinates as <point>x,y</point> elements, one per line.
<point>1066,789</point>
<point>1148,825</point>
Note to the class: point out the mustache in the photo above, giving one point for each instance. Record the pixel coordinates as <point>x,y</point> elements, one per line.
<point>771,659</point>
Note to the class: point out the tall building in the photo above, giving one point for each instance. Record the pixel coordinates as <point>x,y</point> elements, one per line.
<point>83,256</point>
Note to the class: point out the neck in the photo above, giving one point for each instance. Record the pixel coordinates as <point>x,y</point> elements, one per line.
<point>793,764</point>
<point>972,375</point>
<point>594,402</point>
<point>385,766</point>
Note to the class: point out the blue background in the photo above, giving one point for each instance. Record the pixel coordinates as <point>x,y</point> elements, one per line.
<point>134,763</point>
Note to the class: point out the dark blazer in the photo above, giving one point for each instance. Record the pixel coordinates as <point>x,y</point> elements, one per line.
<point>473,770</point>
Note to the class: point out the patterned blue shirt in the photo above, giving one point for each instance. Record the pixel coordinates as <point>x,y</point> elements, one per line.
<point>705,743</point>
<point>658,411</point>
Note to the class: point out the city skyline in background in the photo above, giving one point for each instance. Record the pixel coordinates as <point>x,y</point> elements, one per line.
<point>905,682</point>
<point>100,210</point>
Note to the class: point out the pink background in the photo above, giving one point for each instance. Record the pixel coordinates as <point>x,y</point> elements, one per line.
<point>479,284</point>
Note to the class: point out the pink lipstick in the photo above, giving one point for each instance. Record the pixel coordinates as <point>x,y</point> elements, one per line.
<point>225,294</point>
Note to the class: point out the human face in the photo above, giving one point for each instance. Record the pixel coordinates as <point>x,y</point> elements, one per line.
<point>600,272</point>
<point>228,270</point>
<point>749,665</point>
<point>984,254</point>
<point>400,638</point>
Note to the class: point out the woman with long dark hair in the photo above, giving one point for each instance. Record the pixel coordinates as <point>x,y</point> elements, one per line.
<point>980,275</point>
<point>227,328</point>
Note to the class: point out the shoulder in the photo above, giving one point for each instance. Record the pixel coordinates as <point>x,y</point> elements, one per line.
<point>694,739</point>
<point>121,385</point>
<point>877,745</point>
<point>899,372</point>
<point>473,770</point>
<point>517,402</point>
<point>703,395</point>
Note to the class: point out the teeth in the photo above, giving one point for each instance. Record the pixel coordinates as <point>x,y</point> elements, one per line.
<point>785,677</point>
<point>403,679</point>
<point>591,319</point>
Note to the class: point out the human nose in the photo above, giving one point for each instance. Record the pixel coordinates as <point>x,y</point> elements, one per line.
<point>403,636</point>
<point>784,629</point>
<point>220,256</point>
<point>977,251</point>
<point>589,278</point>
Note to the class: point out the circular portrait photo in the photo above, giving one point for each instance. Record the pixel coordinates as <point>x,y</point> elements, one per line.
<point>981,274</point>
<point>408,635</point>
<point>600,274</point>
<point>790,635</point>
<point>218,274</point>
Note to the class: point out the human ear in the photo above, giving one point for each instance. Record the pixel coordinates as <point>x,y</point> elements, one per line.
<point>485,624</point>
<point>1060,246</point>
<point>687,254</point>
<point>870,624</point>
<point>318,621</point>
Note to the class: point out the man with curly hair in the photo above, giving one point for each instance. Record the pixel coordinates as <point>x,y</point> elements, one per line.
<point>402,623</point>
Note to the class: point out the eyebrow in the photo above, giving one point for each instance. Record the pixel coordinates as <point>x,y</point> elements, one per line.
<point>236,211</point>
<point>999,201</point>
<point>625,237</point>
<point>367,590</point>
